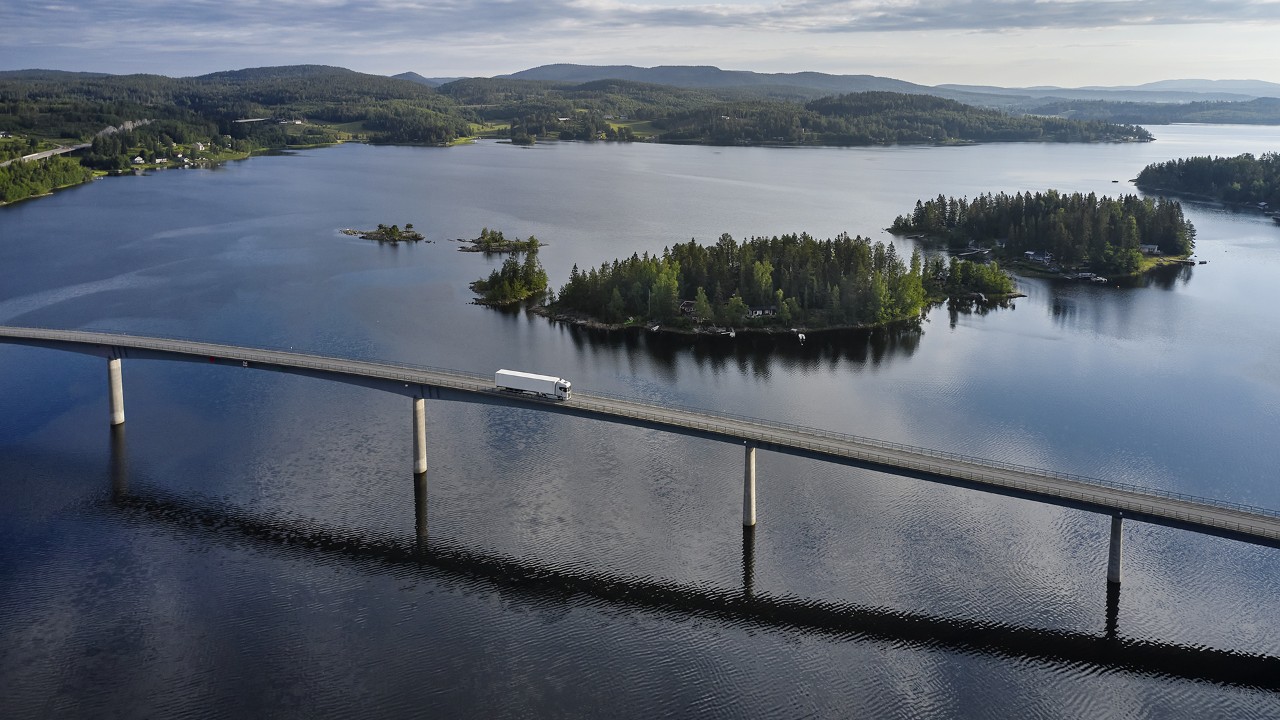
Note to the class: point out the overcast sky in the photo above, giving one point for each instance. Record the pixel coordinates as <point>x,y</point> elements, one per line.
<point>1001,42</point>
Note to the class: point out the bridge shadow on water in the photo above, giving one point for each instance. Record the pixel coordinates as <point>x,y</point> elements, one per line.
<point>443,560</point>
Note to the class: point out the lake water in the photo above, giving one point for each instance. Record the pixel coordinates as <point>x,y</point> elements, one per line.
<point>248,547</point>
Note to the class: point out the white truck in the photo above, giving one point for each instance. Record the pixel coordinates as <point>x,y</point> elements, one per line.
<point>544,385</point>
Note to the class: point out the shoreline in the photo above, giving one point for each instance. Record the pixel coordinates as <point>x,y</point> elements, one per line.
<point>591,323</point>
<point>1150,263</point>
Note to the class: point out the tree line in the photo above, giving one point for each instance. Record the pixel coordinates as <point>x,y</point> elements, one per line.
<point>19,180</point>
<point>1259,111</point>
<point>873,118</point>
<point>1103,233</point>
<point>780,280</point>
<point>77,105</point>
<point>1243,179</point>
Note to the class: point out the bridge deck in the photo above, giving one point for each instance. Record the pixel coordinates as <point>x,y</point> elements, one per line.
<point>1254,525</point>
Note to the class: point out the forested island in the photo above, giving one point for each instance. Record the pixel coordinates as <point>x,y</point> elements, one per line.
<point>1241,180</point>
<point>494,242</point>
<point>387,234</point>
<point>146,121</point>
<point>780,282</point>
<point>1111,235</point>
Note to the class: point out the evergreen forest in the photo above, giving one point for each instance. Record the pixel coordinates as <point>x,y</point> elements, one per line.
<point>782,281</point>
<point>1104,234</point>
<point>1243,179</point>
<point>21,180</point>
<point>211,117</point>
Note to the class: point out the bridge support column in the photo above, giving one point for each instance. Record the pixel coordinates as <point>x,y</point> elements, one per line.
<point>419,436</point>
<point>117,391</point>
<point>749,488</point>
<point>1114,556</point>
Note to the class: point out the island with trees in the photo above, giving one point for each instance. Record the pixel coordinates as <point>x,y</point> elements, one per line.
<point>771,284</point>
<point>1119,236</point>
<point>492,242</point>
<point>1243,180</point>
<point>387,234</point>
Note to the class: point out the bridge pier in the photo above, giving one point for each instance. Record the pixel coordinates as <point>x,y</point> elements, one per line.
<point>419,436</point>
<point>117,391</point>
<point>749,488</point>
<point>1114,556</point>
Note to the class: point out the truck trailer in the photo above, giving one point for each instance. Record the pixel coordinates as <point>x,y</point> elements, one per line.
<point>544,385</point>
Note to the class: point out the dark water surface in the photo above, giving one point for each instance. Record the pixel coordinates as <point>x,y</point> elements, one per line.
<point>247,544</point>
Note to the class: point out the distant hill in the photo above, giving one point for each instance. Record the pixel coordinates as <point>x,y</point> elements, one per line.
<point>810,85</point>
<point>1259,111</point>
<point>1135,94</point>
<point>709,77</point>
<point>1254,88</point>
<point>429,82</point>
<point>37,75</point>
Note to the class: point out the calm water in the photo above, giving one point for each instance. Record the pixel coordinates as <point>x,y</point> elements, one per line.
<point>248,547</point>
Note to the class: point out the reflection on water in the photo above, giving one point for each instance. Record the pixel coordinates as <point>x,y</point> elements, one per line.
<point>420,512</point>
<point>119,463</point>
<point>559,584</point>
<point>552,536</point>
<point>1165,277</point>
<point>975,306</point>
<point>757,353</point>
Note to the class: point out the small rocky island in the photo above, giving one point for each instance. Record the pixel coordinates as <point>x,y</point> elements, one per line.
<point>388,234</point>
<point>515,281</point>
<point>494,242</point>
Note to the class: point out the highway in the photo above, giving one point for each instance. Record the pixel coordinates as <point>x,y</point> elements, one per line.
<point>48,153</point>
<point>1248,524</point>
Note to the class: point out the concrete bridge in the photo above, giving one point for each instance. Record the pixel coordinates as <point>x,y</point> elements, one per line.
<point>1213,517</point>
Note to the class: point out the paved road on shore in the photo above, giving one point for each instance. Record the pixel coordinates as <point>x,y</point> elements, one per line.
<point>48,153</point>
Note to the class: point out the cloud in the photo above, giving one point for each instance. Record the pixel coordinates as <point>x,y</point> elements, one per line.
<point>217,34</point>
<point>248,21</point>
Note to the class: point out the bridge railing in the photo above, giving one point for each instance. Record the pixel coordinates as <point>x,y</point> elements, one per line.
<point>768,428</point>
